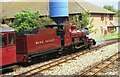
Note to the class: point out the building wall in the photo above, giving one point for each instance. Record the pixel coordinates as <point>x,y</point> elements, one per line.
<point>100,21</point>
<point>117,19</point>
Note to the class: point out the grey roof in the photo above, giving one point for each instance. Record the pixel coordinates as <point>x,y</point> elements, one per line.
<point>93,8</point>
<point>9,9</point>
<point>6,29</point>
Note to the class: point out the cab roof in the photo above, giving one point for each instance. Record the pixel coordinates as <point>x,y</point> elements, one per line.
<point>5,28</point>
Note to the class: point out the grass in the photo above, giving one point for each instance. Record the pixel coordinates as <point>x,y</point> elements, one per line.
<point>108,36</point>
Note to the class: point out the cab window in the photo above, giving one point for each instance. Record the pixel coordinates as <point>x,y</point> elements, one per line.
<point>11,39</point>
<point>3,40</point>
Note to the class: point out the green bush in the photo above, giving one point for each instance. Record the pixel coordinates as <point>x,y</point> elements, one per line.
<point>112,31</point>
<point>85,20</point>
<point>28,19</point>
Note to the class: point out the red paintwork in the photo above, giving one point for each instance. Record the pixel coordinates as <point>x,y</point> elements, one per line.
<point>73,28</point>
<point>7,53</point>
<point>67,37</point>
<point>73,35</point>
<point>21,45</point>
<point>86,38</point>
<point>21,57</point>
<point>44,40</point>
<point>75,32</point>
<point>67,40</point>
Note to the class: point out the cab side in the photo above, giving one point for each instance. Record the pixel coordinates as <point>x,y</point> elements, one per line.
<point>7,47</point>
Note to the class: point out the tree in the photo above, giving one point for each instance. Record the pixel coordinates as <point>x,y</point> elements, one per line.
<point>85,19</point>
<point>28,19</point>
<point>118,13</point>
<point>1,21</point>
<point>47,21</point>
<point>76,21</point>
<point>110,8</point>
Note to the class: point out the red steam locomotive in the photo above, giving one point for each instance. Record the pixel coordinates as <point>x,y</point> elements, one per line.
<point>25,45</point>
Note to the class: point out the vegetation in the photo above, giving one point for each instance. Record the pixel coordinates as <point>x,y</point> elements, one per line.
<point>108,36</point>
<point>28,19</point>
<point>0,21</point>
<point>76,21</point>
<point>111,8</point>
<point>46,21</point>
<point>84,20</point>
<point>118,13</point>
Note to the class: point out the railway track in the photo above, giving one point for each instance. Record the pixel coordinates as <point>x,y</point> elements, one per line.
<point>100,67</point>
<point>57,62</point>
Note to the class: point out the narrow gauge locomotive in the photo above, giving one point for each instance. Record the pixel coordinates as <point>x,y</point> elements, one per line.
<point>25,45</point>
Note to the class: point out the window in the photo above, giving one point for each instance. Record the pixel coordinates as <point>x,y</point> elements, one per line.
<point>11,39</point>
<point>3,40</point>
<point>102,17</point>
<point>110,17</point>
<point>80,17</point>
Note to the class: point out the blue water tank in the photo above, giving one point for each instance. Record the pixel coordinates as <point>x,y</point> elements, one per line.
<point>58,8</point>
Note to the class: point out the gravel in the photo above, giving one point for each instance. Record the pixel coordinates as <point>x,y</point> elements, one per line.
<point>24,69</point>
<point>85,61</point>
<point>112,70</point>
<point>74,66</point>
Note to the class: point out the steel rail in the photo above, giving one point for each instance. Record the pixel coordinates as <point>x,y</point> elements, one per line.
<point>100,66</point>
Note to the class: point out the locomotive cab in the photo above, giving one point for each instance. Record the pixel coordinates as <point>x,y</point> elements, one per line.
<point>63,31</point>
<point>60,29</point>
<point>7,46</point>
